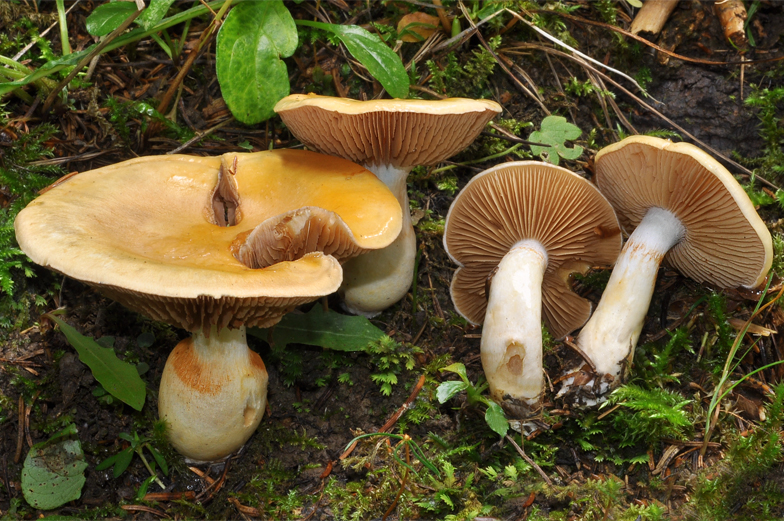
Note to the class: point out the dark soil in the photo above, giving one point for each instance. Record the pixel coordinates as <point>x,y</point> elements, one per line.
<point>300,441</point>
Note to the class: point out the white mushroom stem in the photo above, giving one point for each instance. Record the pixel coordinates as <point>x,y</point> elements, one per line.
<point>213,394</point>
<point>609,337</point>
<point>512,333</point>
<point>375,280</point>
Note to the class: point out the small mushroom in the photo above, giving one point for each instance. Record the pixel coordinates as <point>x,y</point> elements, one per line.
<point>684,207</point>
<point>212,245</point>
<point>535,223</point>
<point>389,137</point>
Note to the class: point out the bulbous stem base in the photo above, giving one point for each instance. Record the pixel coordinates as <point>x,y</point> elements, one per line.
<point>213,394</point>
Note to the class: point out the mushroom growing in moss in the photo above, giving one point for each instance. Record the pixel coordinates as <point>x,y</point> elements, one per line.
<point>682,207</point>
<point>389,137</point>
<point>212,245</point>
<point>519,230</point>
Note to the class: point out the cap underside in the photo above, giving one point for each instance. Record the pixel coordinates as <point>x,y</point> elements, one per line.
<point>400,133</point>
<point>726,242</point>
<point>530,200</point>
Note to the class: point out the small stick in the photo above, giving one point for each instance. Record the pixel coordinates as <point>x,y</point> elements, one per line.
<point>580,352</point>
<point>170,496</point>
<point>83,63</point>
<point>528,459</point>
<point>20,431</point>
<point>395,417</point>
<point>142,508</point>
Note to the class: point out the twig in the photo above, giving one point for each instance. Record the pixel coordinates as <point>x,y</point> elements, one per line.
<point>498,60</point>
<point>204,39</point>
<point>528,459</point>
<point>575,51</point>
<point>199,136</point>
<point>142,508</point>
<point>86,60</point>
<point>170,496</point>
<point>580,352</point>
<point>406,438</point>
<point>215,486</point>
<point>43,33</point>
<point>642,40</point>
<point>680,129</point>
<point>20,430</point>
<point>395,417</point>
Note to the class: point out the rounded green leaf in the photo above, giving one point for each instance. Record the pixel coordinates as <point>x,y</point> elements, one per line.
<point>53,471</point>
<point>250,44</point>
<point>496,419</point>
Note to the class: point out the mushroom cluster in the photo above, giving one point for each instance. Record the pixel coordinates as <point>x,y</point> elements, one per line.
<point>212,245</point>
<point>517,230</point>
<point>389,137</point>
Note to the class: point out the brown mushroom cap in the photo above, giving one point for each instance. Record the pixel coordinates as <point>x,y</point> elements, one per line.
<point>726,242</point>
<point>530,200</point>
<point>401,133</point>
<point>141,232</point>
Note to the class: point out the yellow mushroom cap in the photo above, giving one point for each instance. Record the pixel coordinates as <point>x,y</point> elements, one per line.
<point>142,232</point>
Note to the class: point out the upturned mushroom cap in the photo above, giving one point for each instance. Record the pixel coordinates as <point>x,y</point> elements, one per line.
<point>142,232</point>
<point>530,200</point>
<point>726,242</point>
<point>400,133</point>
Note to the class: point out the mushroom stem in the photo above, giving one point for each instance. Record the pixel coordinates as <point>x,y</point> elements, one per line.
<point>213,394</point>
<point>375,280</point>
<point>610,335</point>
<point>512,333</point>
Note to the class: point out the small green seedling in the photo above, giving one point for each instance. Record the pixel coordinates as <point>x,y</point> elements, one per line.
<point>53,472</point>
<point>122,459</point>
<point>494,416</point>
<point>555,132</point>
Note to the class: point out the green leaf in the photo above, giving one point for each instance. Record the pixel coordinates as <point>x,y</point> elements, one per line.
<point>458,369</point>
<point>250,44</point>
<point>154,13</point>
<point>380,61</point>
<point>119,378</point>
<point>161,462</point>
<point>556,131</point>
<point>122,462</point>
<point>496,418</point>
<point>635,3</point>
<point>53,471</point>
<point>107,17</point>
<point>447,390</point>
<point>326,329</point>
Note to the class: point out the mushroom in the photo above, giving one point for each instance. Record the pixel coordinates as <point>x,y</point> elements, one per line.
<point>681,203</point>
<point>518,231</point>
<point>389,137</point>
<point>212,245</point>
